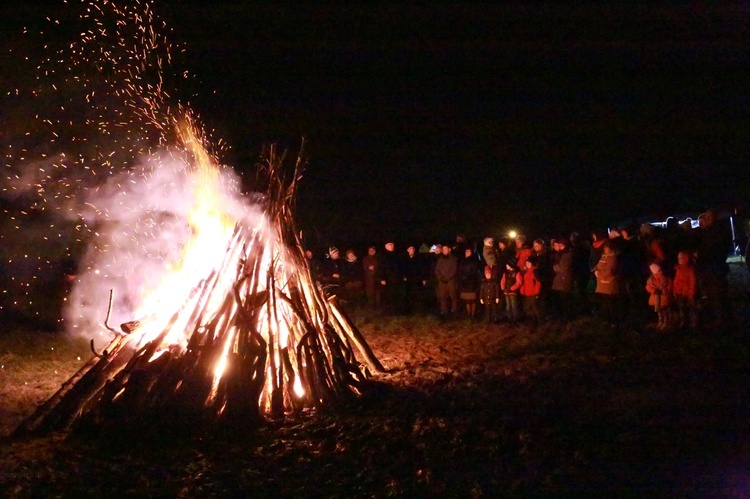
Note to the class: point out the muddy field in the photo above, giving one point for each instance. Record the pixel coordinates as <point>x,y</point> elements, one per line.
<point>467,410</point>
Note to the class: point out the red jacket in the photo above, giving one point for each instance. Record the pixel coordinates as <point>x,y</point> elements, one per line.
<point>522,255</point>
<point>684,281</point>
<point>512,287</point>
<point>660,288</point>
<point>531,285</point>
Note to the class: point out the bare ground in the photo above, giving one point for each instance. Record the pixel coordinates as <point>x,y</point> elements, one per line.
<point>574,408</point>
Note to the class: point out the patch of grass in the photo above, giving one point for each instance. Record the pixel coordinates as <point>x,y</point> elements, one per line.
<point>33,365</point>
<point>467,409</point>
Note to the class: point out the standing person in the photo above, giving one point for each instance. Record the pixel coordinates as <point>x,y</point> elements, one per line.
<point>330,272</point>
<point>631,265</point>
<point>496,261</point>
<point>431,301</point>
<point>489,253</point>
<point>446,271</point>
<point>511,283</point>
<point>389,275</point>
<point>598,238</point>
<point>684,288</point>
<point>415,281</point>
<point>468,282</point>
<point>490,296</point>
<point>459,249</point>
<point>562,283</point>
<point>530,290</point>
<point>712,270</point>
<point>544,274</point>
<point>353,277</point>
<point>522,251</point>
<point>370,264</point>
<point>659,287</point>
<point>313,264</point>
<point>607,285</point>
<point>581,272</point>
<point>504,251</point>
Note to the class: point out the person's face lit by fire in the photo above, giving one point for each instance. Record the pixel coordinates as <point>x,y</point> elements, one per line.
<point>389,246</point>
<point>371,250</point>
<point>538,247</point>
<point>468,253</point>
<point>683,258</point>
<point>411,250</point>
<point>446,250</point>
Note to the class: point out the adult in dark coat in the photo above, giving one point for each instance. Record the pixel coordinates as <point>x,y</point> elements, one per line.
<point>414,275</point>
<point>562,283</point>
<point>331,271</point>
<point>469,277</point>
<point>714,242</point>
<point>581,272</point>
<point>353,277</point>
<point>389,275</point>
<point>313,264</point>
<point>505,251</point>
<point>446,271</point>
<point>370,264</point>
<point>544,274</point>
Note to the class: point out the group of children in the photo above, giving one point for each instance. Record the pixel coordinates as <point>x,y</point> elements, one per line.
<point>506,292</point>
<point>673,299</point>
<point>521,288</point>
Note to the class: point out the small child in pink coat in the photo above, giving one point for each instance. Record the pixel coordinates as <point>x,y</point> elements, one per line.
<point>659,287</point>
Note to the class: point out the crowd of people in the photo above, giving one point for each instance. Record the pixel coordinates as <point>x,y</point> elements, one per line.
<point>675,275</point>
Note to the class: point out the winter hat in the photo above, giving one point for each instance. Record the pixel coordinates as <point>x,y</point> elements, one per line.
<point>488,241</point>
<point>654,268</point>
<point>332,250</point>
<point>512,262</point>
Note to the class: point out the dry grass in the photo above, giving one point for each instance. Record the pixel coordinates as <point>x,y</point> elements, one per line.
<point>468,409</point>
<point>33,365</point>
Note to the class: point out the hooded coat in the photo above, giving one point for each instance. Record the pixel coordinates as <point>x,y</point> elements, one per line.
<point>606,274</point>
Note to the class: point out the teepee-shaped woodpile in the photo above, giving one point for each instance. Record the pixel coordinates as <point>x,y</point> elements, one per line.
<point>260,339</point>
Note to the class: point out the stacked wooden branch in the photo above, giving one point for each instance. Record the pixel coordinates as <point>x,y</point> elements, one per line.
<point>269,343</point>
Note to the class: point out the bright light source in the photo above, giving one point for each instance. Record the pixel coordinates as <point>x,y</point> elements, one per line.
<point>512,234</point>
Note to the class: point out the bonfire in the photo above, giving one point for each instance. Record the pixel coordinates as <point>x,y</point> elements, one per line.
<point>239,329</point>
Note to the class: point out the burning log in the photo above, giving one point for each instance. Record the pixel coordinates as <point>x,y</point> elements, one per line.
<point>256,337</point>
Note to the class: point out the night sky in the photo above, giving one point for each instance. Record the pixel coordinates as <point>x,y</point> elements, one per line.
<point>424,122</point>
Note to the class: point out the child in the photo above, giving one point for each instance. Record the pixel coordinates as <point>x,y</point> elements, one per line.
<point>490,295</point>
<point>511,283</point>
<point>530,290</point>
<point>684,290</point>
<point>659,287</point>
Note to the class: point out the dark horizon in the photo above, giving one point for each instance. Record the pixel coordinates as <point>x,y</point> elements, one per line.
<point>431,121</point>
